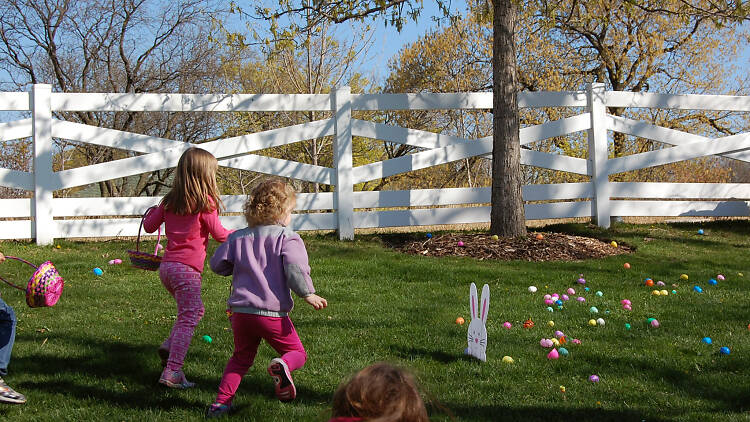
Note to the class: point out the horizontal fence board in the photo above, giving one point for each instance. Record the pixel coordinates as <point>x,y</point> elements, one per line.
<point>400,135</point>
<point>279,167</point>
<point>17,129</point>
<point>555,162</point>
<point>422,217</point>
<point>16,229</point>
<point>552,99</point>
<point>16,179</point>
<point>558,210</point>
<point>727,144</point>
<point>663,134</point>
<point>555,128</point>
<point>420,160</point>
<point>676,101</point>
<point>652,190</point>
<point>314,221</point>
<point>190,102</point>
<point>90,207</point>
<point>15,208</point>
<point>111,137</point>
<point>244,144</point>
<point>421,197</point>
<point>680,208</point>
<point>15,101</point>
<point>558,191</point>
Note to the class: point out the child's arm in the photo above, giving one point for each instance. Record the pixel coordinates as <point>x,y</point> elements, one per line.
<point>221,262</point>
<point>297,271</point>
<point>154,218</point>
<point>213,224</point>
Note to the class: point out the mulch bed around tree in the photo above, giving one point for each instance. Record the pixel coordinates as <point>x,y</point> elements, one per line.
<point>536,246</point>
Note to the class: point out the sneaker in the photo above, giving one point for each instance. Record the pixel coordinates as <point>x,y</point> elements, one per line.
<point>282,380</point>
<point>217,410</point>
<point>175,379</point>
<point>163,355</point>
<point>9,395</point>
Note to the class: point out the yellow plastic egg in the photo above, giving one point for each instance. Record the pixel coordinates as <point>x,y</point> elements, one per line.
<point>664,292</point>
<point>507,359</point>
<point>592,322</point>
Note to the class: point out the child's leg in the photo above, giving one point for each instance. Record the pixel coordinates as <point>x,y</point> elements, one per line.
<point>286,342</point>
<point>246,341</point>
<point>7,335</point>
<point>184,283</point>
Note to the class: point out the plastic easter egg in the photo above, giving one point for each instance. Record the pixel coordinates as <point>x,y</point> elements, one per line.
<point>627,326</point>
<point>683,276</point>
<point>707,340</point>
<point>748,327</point>
<point>460,243</point>
<point>592,322</point>
<point>599,293</point>
<point>539,236</point>
<point>664,292</point>
<point>548,301</point>
<point>98,271</point>
<point>581,299</point>
<point>553,354</point>
<point>656,293</point>
<point>593,310</point>
<point>507,325</point>
<point>576,341</point>
<point>613,243</point>
<point>571,291</point>
<point>494,237</point>
<point>625,301</point>
<point>558,302</point>
<point>700,231</point>
<point>555,296</point>
<point>562,388</point>
<point>626,265</point>
<point>594,378</point>
<point>586,289</point>
<point>740,275</point>
<point>207,339</point>
<point>547,297</point>
<point>118,261</point>
<point>697,289</point>
<point>428,235</point>
<point>551,323</point>
<point>655,323</point>
<point>549,309</point>
<point>627,307</point>
<point>649,282</point>
<point>507,359</point>
<point>725,350</point>
<point>545,342</point>
<point>720,277</point>
<point>558,334</point>
<point>563,340</point>
<point>712,282</point>
<point>555,342</point>
<point>563,351</point>
<point>660,283</point>
<point>460,321</point>
<point>600,321</point>
<point>565,297</point>
<point>674,292</point>
<point>581,281</point>
<point>111,262</point>
<point>532,289</point>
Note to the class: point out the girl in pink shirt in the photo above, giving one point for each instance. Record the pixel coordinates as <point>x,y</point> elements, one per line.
<point>190,213</point>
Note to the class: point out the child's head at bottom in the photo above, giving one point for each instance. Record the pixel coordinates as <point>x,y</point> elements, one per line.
<point>269,202</point>
<point>380,392</point>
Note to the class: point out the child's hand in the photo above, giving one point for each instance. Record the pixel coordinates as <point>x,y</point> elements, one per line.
<point>316,301</point>
<point>2,257</point>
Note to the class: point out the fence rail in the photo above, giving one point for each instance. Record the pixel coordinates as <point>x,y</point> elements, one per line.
<point>44,217</point>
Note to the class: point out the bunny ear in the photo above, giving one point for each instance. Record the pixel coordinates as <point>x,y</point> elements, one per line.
<point>473,301</point>
<point>485,302</point>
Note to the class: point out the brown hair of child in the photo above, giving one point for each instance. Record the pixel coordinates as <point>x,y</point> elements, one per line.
<point>194,188</point>
<point>268,202</point>
<point>380,392</point>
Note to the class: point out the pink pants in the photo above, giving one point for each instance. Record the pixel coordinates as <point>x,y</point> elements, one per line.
<point>248,330</point>
<point>183,282</point>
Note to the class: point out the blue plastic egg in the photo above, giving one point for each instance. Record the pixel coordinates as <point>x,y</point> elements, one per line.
<point>712,282</point>
<point>725,350</point>
<point>707,340</point>
<point>700,231</point>
<point>558,302</point>
<point>98,271</point>
<point>429,235</point>
<point>697,289</point>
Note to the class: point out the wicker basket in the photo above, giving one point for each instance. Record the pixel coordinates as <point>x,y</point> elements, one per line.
<point>44,287</point>
<point>144,260</point>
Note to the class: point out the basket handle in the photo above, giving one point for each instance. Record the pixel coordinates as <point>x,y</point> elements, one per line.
<point>158,236</point>
<point>25,262</point>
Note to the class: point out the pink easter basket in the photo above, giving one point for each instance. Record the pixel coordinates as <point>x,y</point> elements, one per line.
<point>44,287</point>
<point>145,260</point>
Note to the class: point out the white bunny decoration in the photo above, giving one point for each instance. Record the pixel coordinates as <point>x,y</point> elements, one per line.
<point>477,335</point>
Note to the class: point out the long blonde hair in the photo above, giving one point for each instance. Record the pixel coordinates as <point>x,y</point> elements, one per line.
<point>268,202</point>
<point>194,188</point>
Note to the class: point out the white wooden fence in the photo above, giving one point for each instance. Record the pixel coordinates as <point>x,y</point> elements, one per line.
<point>44,218</point>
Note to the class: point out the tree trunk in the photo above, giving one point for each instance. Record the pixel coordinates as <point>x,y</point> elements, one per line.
<point>507,215</point>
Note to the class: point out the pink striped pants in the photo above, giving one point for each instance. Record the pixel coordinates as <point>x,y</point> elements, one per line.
<point>183,282</point>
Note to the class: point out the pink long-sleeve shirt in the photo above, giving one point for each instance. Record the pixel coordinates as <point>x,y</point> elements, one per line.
<point>187,235</point>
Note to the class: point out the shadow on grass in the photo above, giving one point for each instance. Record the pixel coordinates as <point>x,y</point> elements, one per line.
<point>408,353</point>
<point>117,373</point>
<point>545,414</point>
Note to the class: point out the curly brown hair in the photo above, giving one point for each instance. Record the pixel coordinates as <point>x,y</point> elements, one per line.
<point>268,202</point>
<point>378,393</point>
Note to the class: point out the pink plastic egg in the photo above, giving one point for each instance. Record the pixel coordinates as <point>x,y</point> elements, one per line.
<point>571,291</point>
<point>507,325</point>
<point>581,299</point>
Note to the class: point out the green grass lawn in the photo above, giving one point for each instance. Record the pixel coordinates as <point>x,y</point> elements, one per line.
<point>93,355</point>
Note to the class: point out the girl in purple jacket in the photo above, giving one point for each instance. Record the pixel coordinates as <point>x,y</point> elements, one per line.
<point>266,260</point>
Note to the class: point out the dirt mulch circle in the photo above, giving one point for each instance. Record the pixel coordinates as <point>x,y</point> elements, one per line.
<point>536,246</point>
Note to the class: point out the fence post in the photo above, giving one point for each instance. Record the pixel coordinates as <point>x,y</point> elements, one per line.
<point>343,200</point>
<point>41,111</point>
<point>598,154</point>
